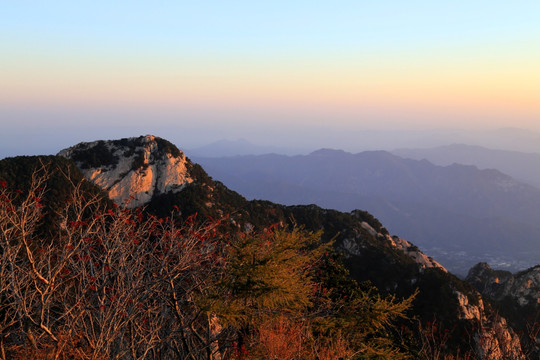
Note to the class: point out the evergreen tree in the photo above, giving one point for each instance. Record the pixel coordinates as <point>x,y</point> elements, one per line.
<point>285,292</point>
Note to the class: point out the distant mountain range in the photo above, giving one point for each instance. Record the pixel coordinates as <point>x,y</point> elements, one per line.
<point>520,165</point>
<point>240,147</point>
<point>458,214</point>
<point>355,140</point>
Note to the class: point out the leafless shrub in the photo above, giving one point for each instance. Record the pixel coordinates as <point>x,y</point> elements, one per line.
<point>112,284</point>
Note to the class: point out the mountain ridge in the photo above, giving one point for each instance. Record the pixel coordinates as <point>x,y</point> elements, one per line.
<point>390,263</point>
<point>410,196</point>
<point>520,165</point>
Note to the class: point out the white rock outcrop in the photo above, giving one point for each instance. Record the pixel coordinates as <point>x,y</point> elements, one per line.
<point>409,249</point>
<point>493,339</point>
<point>523,287</point>
<point>468,310</point>
<point>137,177</point>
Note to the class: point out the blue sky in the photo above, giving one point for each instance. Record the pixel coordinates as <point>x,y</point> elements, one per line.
<point>277,27</point>
<point>247,69</point>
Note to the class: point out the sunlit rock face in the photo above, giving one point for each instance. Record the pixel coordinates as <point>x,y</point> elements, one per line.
<point>413,252</point>
<point>523,287</point>
<point>497,341</point>
<point>409,249</point>
<point>492,338</point>
<point>132,170</point>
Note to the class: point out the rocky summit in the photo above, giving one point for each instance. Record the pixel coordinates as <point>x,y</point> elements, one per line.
<point>132,170</point>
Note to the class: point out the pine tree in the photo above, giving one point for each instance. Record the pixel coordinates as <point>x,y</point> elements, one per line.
<point>282,284</point>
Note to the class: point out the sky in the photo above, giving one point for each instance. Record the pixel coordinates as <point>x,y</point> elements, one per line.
<point>275,72</point>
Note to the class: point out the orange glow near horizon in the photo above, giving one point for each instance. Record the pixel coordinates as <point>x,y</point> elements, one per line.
<point>435,87</point>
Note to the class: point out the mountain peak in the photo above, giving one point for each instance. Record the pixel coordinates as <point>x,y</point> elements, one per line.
<point>328,152</point>
<point>132,170</point>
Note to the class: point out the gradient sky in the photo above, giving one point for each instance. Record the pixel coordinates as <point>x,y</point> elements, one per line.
<point>198,71</point>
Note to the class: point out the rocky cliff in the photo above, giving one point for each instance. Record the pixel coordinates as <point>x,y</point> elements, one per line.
<point>492,337</point>
<point>516,297</point>
<point>134,170</point>
<point>523,287</point>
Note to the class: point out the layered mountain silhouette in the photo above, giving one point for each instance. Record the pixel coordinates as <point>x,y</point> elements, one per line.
<point>520,165</point>
<point>459,214</point>
<point>239,147</point>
